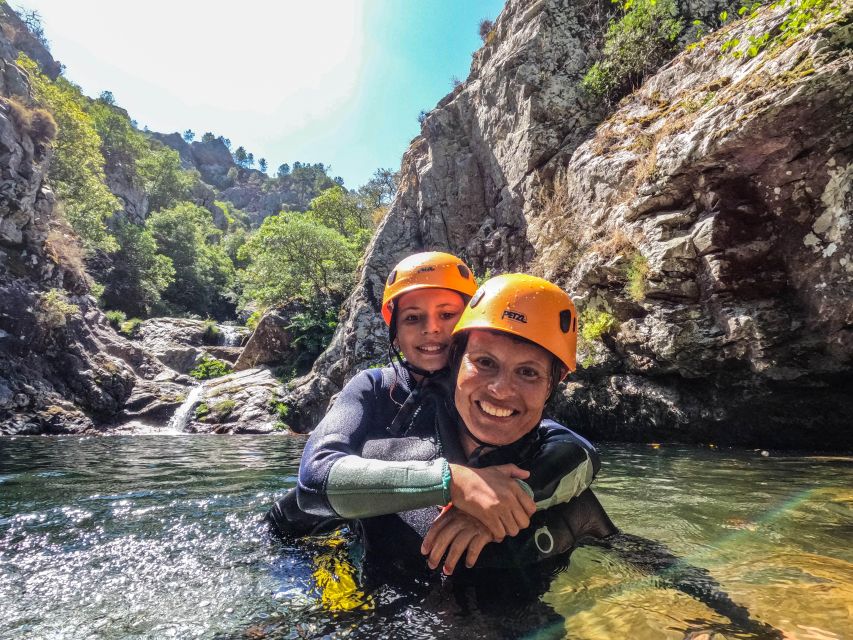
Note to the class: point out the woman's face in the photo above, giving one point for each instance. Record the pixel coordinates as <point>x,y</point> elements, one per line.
<point>425,319</point>
<point>502,386</point>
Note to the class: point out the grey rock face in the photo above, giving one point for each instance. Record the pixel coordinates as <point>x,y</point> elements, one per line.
<point>268,343</point>
<point>242,402</point>
<point>724,181</point>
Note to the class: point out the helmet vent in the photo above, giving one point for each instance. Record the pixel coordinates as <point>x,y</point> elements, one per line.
<point>477,298</point>
<point>565,320</point>
<point>463,271</point>
<point>392,277</point>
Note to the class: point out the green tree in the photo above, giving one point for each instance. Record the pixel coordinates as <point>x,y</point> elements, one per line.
<point>241,158</point>
<point>291,256</point>
<point>139,274</point>
<point>163,179</point>
<point>77,169</point>
<point>208,137</point>
<point>262,165</point>
<point>344,212</point>
<point>203,273</point>
<point>189,135</point>
<point>380,189</point>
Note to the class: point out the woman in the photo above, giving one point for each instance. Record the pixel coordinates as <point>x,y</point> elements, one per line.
<point>380,451</point>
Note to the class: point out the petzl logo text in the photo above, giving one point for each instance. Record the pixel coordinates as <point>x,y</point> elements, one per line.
<point>514,315</point>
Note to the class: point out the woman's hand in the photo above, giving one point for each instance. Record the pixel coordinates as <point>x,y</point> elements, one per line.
<point>492,496</point>
<point>454,532</point>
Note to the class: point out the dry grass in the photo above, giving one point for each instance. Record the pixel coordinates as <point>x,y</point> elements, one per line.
<point>571,238</point>
<point>617,244</point>
<point>37,123</point>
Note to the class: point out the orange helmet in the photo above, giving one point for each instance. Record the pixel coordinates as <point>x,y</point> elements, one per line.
<point>528,307</point>
<point>427,270</point>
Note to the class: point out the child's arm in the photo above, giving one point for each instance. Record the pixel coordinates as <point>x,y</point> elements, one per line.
<point>335,481</point>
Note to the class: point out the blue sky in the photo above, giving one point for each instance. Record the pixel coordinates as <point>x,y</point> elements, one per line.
<point>333,81</point>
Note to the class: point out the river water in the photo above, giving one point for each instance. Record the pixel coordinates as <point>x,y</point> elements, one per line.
<point>160,537</point>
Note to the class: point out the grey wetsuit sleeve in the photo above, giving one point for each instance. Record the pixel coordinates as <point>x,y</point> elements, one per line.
<point>335,481</point>
<point>360,487</point>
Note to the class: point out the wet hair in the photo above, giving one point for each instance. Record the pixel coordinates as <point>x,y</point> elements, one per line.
<point>459,343</point>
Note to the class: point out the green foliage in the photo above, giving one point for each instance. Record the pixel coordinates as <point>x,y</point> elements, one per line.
<point>121,143</point>
<point>280,409</point>
<point>130,328</point>
<point>77,170</point>
<point>380,189</point>
<point>291,256</point>
<point>218,412</point>
<point>636,44</point>
<point>255,318</point>
<point>203,272</point>
<point>481,279</point>
<point>163,179</point>
<point>637,273</point>
<point>310,332</point>
<point>344,212</point>
<point>802,16</point>
<point>116,318</point>
<point>53,309</point>
<point>201,411</point>
<point>211,333</point>
<point>595,323</point>
<point>208,368</point>
<point>139,275</point>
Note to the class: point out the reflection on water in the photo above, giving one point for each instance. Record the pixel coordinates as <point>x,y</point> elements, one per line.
<point>156,536</point>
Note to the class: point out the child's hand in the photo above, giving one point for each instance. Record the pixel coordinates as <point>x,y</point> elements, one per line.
<point>492,496</point>
<point>454,532</point>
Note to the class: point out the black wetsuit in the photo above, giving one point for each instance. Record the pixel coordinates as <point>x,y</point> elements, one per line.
<point>391,475</point>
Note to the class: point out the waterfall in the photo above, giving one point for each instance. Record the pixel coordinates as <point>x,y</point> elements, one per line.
<point>182,415</point>
<point>231,335</point>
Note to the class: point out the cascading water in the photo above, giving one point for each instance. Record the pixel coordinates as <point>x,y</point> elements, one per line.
<point>231,335</point>
<point>182,415</point>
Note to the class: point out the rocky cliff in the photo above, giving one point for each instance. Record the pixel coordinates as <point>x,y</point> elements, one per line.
<point>704,226</point>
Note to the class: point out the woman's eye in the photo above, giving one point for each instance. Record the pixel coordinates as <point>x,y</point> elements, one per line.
<point>485,363</point>
<point>528,373</point>
<point>411,318</point>
<point>449,315</point>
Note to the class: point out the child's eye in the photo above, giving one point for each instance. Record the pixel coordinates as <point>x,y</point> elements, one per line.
<point>449,315</point>
<point>412,318</point>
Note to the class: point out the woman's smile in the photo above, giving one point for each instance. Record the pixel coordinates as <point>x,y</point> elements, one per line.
<point>502,386</point>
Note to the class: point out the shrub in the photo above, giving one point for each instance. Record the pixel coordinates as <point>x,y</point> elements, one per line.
<point>130,328</point>
<point>116,318</point>
<point>637,273</point>
<point>255,318</point>
<point>311,331</point>
<point>635,45</point>
<point>53,309</point>
<point>201,411</point>
<point>211,333</point>
<point>595,323</point>
<point>486,27</point>
<point>208,368</point>
<point>218,412</point>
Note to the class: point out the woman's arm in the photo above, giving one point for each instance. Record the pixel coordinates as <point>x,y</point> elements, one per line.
<point>562,467</point>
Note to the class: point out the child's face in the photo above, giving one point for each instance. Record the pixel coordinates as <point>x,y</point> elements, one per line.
<point>425,319</point>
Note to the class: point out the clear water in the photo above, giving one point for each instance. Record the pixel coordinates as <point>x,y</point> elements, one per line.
<point>159,537</point>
